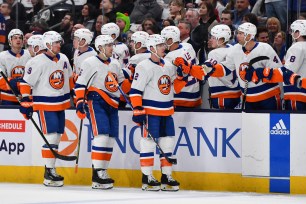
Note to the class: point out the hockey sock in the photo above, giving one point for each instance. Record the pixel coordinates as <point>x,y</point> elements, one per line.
<point>102,150</point>
<point>166,144</point>
<point>47,155</point>
<point>147,147</point>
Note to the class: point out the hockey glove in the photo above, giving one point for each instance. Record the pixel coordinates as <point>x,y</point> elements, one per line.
<point>81,108</point>
<point>247,73</point>
<point>139,115</point>
<point>15,85</point>
<point>181,75</point>
<point>26,107</point>
<point>185,66</point>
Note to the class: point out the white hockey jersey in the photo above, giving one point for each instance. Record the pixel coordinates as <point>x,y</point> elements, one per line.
<point>101,82</point>
<point>238,55</point>
<point>121,53</point>
<point>12,66</point>
<point>295,60</point>
<point>227,86</point>
<point>135,59</point>
<point>190,96</point>
<point>152,87</point>
<point>78,58</point>
<point>49,79</point>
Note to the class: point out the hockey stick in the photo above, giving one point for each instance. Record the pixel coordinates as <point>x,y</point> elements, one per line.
<point>170,160</point>
<point>80,129</point>
<point>57,155</point>
<point>246,85</point>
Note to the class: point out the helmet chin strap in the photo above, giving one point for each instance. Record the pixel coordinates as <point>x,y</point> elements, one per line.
<point>51,50</point>
<point>103,52</point>
<point>218,45</point>
<point>245,41</point>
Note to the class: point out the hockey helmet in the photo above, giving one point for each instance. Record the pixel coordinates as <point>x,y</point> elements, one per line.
<point>36,40</point>
<point>110,29</point>
<point>51,37</point>
<point>248,28</point>
<point>298,25</point>
<point>221,31</point>
<point>154,40</point>
<point>103,40</point>
<point>140,36</point>
<point>14,32</point>
<point>171,32</point>
<point>84,33</point>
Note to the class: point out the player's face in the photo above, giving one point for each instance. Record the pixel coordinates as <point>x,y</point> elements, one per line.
<point>213,42</point>
<point>109,50</point>
<point>77,42</point>
<point>16,41</point>
<point>31,50</point>
<point>160,49</point>
<point>240,38</point>
<point>56,47</point>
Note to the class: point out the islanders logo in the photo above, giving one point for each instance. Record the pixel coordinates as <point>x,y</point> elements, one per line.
<point>109,84</point>
<point>164,84</point>
<point>57,79</point>
<point>17,72</point>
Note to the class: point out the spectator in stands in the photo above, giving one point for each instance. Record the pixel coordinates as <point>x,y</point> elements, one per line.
<point>278,9</point>
<point>262,35</point>
<point>19,17</point>
<point>40,26</point>
<point>177,10</point>
<point>197,32</point>
<point>37,6</point>
<point>124,6</point>
<point>101,20</point>
<point>6,10</point>
<point>251,18</point>
<point>279,45</point>
<point>66,27</point>
<point>185,30</point>
<point>148,23</point>
<point>2,32</point>
<point>25,39</point>
<point>167,22</point>
<point>241,8</point>
<point>218,5</point>
<point>123,21</point>
<point>144,9</point>
<point>302,16</point>
<point>88,16</point>
<point>273,25</point>
<point>107,7</point>
<point>207,14</point>
<point>227,18</point>
<point>260,11</point>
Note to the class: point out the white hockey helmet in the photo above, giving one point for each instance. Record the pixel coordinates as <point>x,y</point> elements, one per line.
<point>221,31</point>
<point>36,40</point>
<point>110,29</point>
<point>14,32</point>
<point>248,28</point>
<point>84,33</point>
<point>171,32</point>
<point>154,40</point>
<point>50,37</point>
<point>140,36</point>
<point>298,25</point>
<point>103,40</point>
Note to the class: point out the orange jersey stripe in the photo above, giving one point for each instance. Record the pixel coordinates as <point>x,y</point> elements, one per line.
<point>93,119</point>
<point>147,162</point>
<point>6,97</point>
<point>263,96</point>
<point>295,97</point>
<point>136,101</point>
<point>151,111</point>
<point>227,95</point>
<point>54,107</point>
<point>101,156</point>
<point>47,154</point>
<point>109,100</point>
<point>184,103</point>
<point>164,162</point>
<point>42,121</point>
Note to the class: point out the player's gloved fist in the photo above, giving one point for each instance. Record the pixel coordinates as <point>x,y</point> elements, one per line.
<point>139,115</point>
<point>247,73</point>
<point>181,75</point>
<point>81,108</point>
<point>132,67</point>
<point>26,107</point>
<point>179,61</point>
<point>14,83</point>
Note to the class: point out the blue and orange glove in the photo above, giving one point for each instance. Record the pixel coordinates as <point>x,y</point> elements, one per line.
<point>247,73</point>
<point>132,67</point>
<point>180,75</point>
<point>81,108</point>
<point>181,62</point>
<point>15,85</point>
<point>26,107</point>
<point>139,115</point>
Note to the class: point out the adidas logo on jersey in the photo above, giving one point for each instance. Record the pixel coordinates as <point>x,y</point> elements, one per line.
<point>279,129</point>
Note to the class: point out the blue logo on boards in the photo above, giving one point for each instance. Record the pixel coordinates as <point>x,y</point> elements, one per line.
<point>280,124</point>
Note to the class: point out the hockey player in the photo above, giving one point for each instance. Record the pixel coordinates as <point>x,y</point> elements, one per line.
<point>121,51</point>
<point>190,95</point>
<point>36,45</point>
<point>12,64</point>
<point>49,76</point>
<point>260,96</point>
<point>103,100</point>
<point>151,96</point>
<point>81,41</point>
<point>292,73</point>
<point>224,91</point>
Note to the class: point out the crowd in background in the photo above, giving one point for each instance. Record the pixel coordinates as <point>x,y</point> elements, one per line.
<point>194,18</point>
